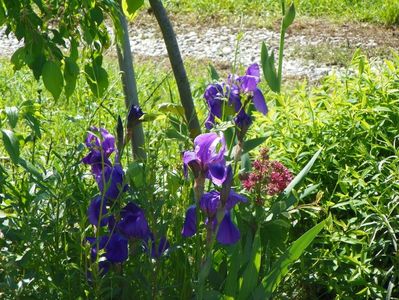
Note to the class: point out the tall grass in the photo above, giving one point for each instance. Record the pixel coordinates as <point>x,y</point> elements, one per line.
<point>375,11</point>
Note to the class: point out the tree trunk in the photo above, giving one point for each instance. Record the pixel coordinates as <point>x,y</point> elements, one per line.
<point>179,71</point>
<point>125,60</point>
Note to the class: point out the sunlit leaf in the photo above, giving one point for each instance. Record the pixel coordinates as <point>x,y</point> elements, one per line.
<point>52,78</point>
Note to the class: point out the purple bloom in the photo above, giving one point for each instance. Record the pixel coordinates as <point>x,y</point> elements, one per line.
<point>243,120</point>
<point>134,115</point>
<point>214,97</point>
<point>207,159</point>
<point>116,250</point>
<point>210,203</point>
<point>113,182</point>
<point>94,209</point>
<point>248,84</point>
<point>228,233</point>
<point>190,222</point>
<point>97,162</point>
<point>106,143</point>
<point>133,223</point>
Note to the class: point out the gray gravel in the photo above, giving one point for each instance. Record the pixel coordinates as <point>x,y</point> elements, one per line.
<point>219,45</point>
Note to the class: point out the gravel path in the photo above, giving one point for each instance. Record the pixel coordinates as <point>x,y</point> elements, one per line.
<point>218,44</point>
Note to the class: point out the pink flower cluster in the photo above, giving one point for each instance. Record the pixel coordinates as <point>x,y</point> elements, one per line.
<point>268,177</point>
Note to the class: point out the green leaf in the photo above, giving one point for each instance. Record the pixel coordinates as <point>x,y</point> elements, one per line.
<point>130,7</point>
<point>30,168</point>
<point>269,70</point>
<point>289,17</point>
<point>280,267</point>
<point>97,77</point>
<point>172,108</point>
<point>250,277</point>
<point>2,15</point>
<point>12,116</point>
<point>52,78</point>
<point>11,144</point>
<point>33,123</point>
<point>245,162</point>
<point>18,58</point>
<point>214,74</point>
<point>253,143</point>
<point>71,72</point>
<point>302,174</point>
<point>135,174</point>
<point>231,285</point>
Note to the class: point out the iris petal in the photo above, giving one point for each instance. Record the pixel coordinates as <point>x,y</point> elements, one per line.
<point>93,212</point>
<point>190,222</point>
<point>228,232</point>
<point>253,70</point>
<point>259,101</point>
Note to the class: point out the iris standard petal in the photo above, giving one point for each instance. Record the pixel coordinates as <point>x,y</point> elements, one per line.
<point>228,232</point>
<point>248,83</point>
<point>94,209</point>
<point>217,172</point>
<point>97,162</point>
<point>133,223</point>
<point>213,91</point>
<point>92,141</point>
<point>253,70</point>
<point>259,101</point>
<point>202,144</point>
<point>190,222</point>
<point>210,202</point>
<point>108,142</point>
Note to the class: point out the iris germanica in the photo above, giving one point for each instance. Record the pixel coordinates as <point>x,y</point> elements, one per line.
<point>94,209</point>
<point>217,210</point>
<point>236,92</point>
<point>207,159</point>
<point>133,223</point>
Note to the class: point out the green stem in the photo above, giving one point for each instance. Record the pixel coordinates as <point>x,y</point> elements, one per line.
<point>280,57</point>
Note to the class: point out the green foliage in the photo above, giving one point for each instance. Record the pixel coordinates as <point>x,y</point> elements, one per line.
<point>376,11</point>
<point>355,119</point>
<point>47,27</point>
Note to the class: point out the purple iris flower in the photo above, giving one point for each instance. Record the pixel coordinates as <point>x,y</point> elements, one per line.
<point>133,223</point>
<point>112,178</point>
<point>116,250</point>
<point>210,203</point>
<point>100,150</point>
<point>190,222</point>
<point>97,162</point>
<point>214,97</point>
<point>94,209</point>
<point>106,142</point>
<point>243,120</point>
<point>207,159</point>
<point>134,115</point>
<point>248,84</point>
